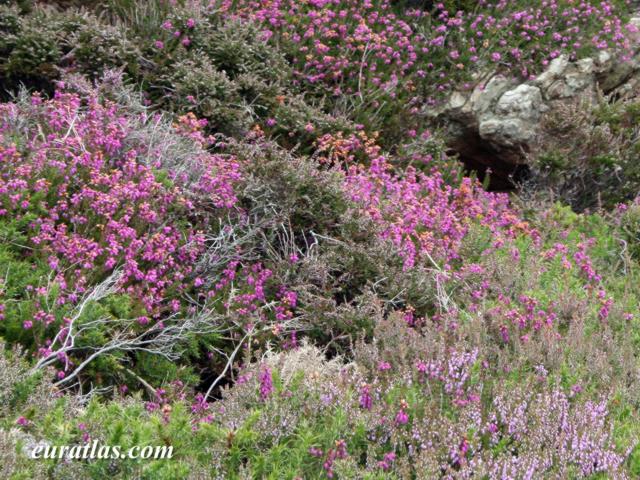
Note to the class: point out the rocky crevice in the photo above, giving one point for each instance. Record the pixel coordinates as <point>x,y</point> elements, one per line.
<point>495,125</point>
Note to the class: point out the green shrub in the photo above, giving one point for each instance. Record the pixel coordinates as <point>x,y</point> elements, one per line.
<point>33,58</point>
<point>196,85</point>
<point>236,48</point>
<point>97,47</point>
<point>587,155</point>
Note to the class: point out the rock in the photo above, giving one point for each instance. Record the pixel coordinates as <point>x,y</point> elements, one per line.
<point>603,60</point>
<point>586,65</point>
<point>615,77</point>
<point>564,79</point>
<point>513,121</point>
<point>523,101</point>
<point>29,443</point>
<point>506,132</point>
<point>496,123</point>
<point>555,70</point>
<point>483,98</point>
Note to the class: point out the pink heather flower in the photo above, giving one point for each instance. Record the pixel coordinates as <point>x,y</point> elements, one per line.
<point>22,421</point>
<point>402,418</point>
<point>159,44</point>
<point>143,320</point>
<point>421,367</point>
<point>177,33</point>
<point>308,127</point>
<point>175,305</point>
<point>387,460</point>
<point>270,122</point>
<point>366,402</point>
<point>384,366</point>
<point>61,374</point>
<point>266,383</point>
<point>621,207</point>
<point>495,56</point>
<point>464,446</point>
<point>504,333</point>
<point>186,41</point>
<point>191,23</point>
<point>27,324</point>
<point>316,452</point>
<point>167,25</point>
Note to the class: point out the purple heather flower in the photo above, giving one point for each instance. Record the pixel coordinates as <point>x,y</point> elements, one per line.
<point>266,383</point>
<point>366,402</point>
<point>384,366</point>
<point>402,418</point>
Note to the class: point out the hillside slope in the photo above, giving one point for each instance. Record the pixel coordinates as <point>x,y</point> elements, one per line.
<point>320,239</point>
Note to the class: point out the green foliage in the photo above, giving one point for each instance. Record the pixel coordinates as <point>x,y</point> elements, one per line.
<point>97,48</point>
<point>196,85</point>
<point>143,19</point>
<point>236,48</point>
<point>588,155</point>
<point>34,54</point>
<point>24,6</point>
<point>630,228</point>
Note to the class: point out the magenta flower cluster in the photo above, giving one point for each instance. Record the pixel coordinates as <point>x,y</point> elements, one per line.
<point>96,198</point>
<point>422,215</point>
<point>358,46</point>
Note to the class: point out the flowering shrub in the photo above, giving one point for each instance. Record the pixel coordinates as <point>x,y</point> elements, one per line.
<point>390,62</point>
<point>287,274</point>
<point>333,47</point>
<point>423,216</point>
<point>92,203</point>
<point>381,56</point>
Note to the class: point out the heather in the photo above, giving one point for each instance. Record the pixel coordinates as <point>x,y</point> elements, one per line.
<point>234,228</point>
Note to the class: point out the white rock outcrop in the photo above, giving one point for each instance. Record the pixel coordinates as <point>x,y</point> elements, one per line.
<point>497,121</point>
